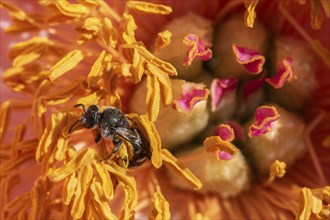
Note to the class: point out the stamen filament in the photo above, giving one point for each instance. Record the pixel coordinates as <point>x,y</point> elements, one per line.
<point>191,157</point>
<point>227,8</point>
<point>109,11</point>
<point>311,149</point>
<point>316,45</point>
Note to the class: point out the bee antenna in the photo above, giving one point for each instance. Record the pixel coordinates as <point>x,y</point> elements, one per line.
<point>72,126</point>
<point>82,105</point>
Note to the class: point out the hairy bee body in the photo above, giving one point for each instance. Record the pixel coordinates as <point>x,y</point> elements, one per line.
<point>115,126</point>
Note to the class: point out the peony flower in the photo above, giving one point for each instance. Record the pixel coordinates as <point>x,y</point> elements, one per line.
<point>207,92</point>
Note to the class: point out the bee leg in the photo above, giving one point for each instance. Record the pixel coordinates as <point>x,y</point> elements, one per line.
<point>72,126</point>
<point>82,105</point>
<point>98,138</point>
<point>118,144</point>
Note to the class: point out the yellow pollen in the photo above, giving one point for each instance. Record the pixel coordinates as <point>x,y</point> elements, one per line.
<point>314,203</point>
<point>163,39</point>
<point>161,208</point>
<point>71,10</point>
<point>147,7</point>
<point>66,64</point>
<point>250,14</point>
<point>277,169</point>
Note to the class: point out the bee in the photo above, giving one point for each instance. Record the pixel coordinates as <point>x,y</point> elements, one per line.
<point>115,126</point>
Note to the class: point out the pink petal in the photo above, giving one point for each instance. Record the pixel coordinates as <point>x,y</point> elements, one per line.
<point>264,117</point>
<point>196,48</point>
<point>225,132</point>
<point>251,59</point>
<point>218,88</point>
<point>284,74</point>
<point>223,155</point>
<point>191,94</point>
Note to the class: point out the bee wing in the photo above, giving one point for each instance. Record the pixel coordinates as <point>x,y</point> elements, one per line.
<point>132,124</point>
<point>141,140</point>
<point>129,135</point>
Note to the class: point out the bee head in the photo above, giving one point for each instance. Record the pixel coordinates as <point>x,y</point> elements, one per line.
<point>90,117</point>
